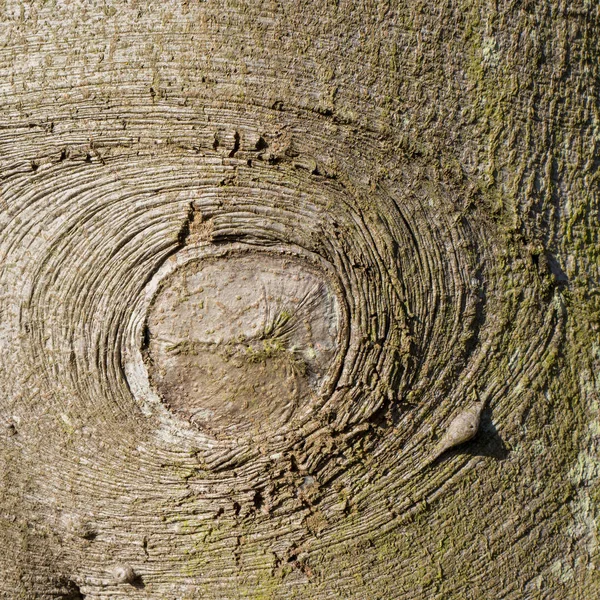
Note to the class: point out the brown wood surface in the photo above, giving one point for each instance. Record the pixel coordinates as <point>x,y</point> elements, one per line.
<point>405,195</point>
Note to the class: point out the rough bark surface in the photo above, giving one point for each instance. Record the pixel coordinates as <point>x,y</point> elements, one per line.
<point>405,195</point>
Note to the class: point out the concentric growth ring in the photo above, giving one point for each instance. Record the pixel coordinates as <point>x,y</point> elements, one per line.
<point>237,349</point>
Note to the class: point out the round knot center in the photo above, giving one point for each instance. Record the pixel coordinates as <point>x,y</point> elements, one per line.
<point>241,342</point>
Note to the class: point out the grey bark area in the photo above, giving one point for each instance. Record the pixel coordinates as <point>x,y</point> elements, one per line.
<point>299,300</point>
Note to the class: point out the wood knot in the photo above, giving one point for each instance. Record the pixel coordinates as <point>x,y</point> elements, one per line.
<point>124,574</point>
<point>462,428</point>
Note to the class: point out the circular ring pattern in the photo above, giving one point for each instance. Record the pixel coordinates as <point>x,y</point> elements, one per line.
<point>238,340</point>
<point>390,277</point>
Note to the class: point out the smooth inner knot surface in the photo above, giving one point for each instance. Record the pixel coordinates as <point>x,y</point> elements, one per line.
<point>242,341</point>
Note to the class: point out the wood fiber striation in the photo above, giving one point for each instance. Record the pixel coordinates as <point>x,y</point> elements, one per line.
<point>404,196</point>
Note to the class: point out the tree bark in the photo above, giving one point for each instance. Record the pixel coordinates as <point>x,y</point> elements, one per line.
<point>267,267</point>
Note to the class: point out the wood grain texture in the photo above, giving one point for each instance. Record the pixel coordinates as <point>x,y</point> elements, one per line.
<point>433,165</point>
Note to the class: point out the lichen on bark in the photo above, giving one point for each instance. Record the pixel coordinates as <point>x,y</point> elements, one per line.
<point>426,174</point>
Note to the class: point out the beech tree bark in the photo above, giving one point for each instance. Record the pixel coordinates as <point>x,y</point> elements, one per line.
<point>263,265</point>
